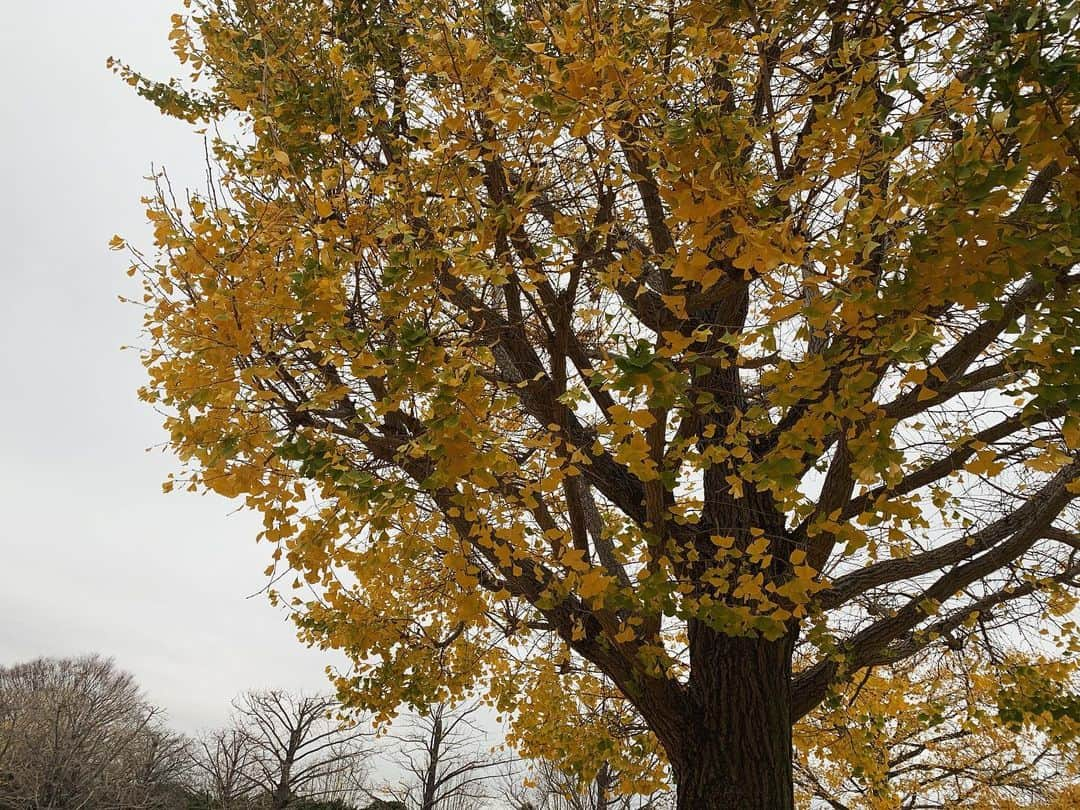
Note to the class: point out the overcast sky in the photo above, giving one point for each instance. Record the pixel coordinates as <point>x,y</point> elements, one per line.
<point>93,557</point>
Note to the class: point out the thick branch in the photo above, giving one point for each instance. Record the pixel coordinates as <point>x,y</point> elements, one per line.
<point>811,686</point>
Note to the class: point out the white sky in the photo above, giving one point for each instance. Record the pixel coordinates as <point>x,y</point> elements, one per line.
<point>93,557</point>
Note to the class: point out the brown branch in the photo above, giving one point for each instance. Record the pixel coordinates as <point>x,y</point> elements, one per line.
<point>952,462</point>
<point>811,686</point>
<point>881,573</point>
<point>648,190</point>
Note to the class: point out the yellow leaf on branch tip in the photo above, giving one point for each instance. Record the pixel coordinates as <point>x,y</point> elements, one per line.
<point>281,157</point>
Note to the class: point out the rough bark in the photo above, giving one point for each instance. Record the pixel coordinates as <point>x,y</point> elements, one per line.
<point>735,753</point>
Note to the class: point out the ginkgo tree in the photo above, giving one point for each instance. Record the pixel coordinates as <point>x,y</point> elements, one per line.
<point>729,348</point>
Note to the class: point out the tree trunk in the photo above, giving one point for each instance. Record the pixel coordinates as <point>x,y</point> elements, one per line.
<point>735,753</point>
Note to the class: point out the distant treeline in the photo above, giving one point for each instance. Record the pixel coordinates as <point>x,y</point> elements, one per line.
<point>78,734</point>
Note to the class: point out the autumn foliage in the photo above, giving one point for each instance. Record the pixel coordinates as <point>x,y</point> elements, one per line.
<point>661,371</point>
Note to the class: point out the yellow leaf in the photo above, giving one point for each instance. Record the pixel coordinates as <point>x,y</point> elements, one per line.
<point>574,559</point>
<point>594,583</point>
<point>1071,432</point>
<point>758,547</point>
<point>985,463</point>
<point>678,342</point>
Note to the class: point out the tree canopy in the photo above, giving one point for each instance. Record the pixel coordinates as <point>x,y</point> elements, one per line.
<point>693,358</point>
<point>78,733</point>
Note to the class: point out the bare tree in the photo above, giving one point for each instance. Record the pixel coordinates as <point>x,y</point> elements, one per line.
<point>224,760</point>
<point>78,733</point>
<point>442,752</point>
<point>293,747</point>
<point>154,772</point>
